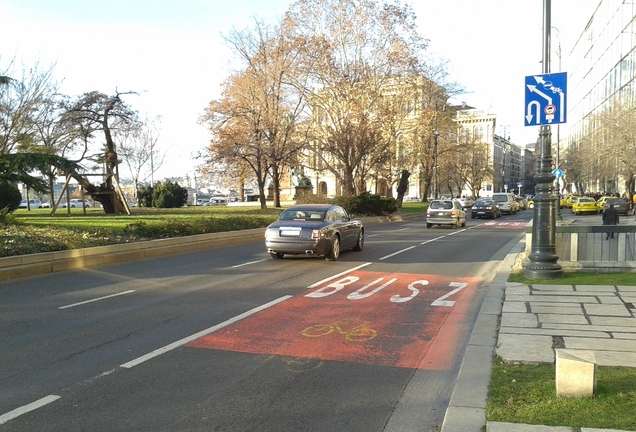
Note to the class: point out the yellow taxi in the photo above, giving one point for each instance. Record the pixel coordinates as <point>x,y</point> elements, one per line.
<point>585,205</point>
<point>601,202</point>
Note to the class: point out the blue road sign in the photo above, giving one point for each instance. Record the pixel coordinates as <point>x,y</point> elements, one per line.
<point>557,172</point>
<point>546,99</point>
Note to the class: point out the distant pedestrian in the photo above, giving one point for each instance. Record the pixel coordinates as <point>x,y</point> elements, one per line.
<point>610,217</point>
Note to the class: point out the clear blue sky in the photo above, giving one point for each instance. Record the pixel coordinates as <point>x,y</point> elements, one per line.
<point>172,53</point>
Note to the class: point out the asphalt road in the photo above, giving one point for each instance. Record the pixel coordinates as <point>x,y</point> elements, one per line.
<point>228,339</point>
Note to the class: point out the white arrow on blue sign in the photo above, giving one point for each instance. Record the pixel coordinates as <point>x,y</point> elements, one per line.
<point>546,99</point>
<point>557,172</point>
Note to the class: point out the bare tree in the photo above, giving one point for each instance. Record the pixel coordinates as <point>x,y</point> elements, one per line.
<point>137,148</point>
<point>21,105</point>
<point>357,47</point>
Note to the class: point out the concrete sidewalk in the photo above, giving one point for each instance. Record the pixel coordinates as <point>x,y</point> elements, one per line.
<point>534,321</point>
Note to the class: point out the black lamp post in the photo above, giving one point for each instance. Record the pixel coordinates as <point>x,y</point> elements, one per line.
<point>543,258</point>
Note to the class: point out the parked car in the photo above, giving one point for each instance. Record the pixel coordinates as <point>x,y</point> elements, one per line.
<point>33,203</point>
<point>314,229</point>
<point>530,202</point>
<point>585,205</point>
<point>523,204</point>
<point>445,212</point>
<point>485,207</point>
<point>46,204</point>
<point>507,202</point>
<point>620,204</point>
<point>601,202</point>
<point>466,203</point>
<point>75,202</point>
<point>219,199</point>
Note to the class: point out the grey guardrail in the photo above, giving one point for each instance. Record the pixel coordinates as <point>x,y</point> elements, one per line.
<point>48,262</point>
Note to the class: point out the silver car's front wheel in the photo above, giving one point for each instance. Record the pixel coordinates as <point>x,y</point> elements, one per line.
<point>360,244</point>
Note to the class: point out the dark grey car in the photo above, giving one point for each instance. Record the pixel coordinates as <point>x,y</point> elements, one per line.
<point>314,229</point>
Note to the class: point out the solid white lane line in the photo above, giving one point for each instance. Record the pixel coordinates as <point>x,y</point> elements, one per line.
<point>432,240</point>
<point>455,232</point>
<point>248,263</point>
<point>338,275</point>
<point>26,408</point>
<point>97,299</point>
<point>196,336</point>
<point>396,253</point>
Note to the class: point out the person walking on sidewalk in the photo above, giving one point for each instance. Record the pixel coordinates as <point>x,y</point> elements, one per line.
<point>610,217</point>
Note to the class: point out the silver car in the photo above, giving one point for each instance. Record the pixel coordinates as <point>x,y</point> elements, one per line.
<point>445,212</point>
<point>314,229</point>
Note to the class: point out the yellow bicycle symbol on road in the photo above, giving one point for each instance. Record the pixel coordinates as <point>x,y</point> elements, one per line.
<point>346,327</point>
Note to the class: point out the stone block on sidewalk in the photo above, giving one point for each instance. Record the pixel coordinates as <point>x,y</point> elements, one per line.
<point>575,373</point>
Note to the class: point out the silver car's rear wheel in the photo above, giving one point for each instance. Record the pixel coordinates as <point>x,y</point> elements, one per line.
<point>334,253</point>
<point>276,255</point>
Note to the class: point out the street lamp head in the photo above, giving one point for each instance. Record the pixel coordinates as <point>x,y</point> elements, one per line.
<point>436,133</point>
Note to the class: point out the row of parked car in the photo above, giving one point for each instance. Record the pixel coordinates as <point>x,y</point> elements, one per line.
<point>36,203</point>
<point>454,211</point>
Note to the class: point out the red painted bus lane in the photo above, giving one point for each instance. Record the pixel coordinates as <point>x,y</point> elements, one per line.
<point>392,319</point>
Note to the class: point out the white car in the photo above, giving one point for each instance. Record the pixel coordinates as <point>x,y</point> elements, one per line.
<point>466,203</point>
<point>77,203</point>
<point>33,203</point>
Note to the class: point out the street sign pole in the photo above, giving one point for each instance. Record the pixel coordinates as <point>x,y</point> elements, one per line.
<point>543,258</point>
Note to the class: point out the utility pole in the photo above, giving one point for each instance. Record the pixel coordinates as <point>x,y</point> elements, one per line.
<point>543,258</point>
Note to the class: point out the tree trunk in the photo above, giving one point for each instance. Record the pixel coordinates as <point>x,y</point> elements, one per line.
<point>403,187</point>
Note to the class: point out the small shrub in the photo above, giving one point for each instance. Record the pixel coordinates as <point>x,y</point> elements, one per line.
<point>367,204</point>
<point>10,196</point>
<point>169,195</point>
<point>144,196</point>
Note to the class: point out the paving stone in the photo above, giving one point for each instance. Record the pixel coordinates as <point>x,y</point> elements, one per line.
<point>588,327</point>
<point>565,309</point>
<point>515,307</point>
<point>596,344</point>
<point>599,430</point>
<point>555,332</point>
<point>553,288</point>
<point>525,348</point>
<point>619,335</point>
<point>613,321</point>
<point>517,290</point>
<point>612,358</point>
<point>622,288</point>
<point>519,320</point>
<point>607,310</point>
<point>574,298</point>
<point>561,318</point>
<point>519,427</point>
<point>611,300</point>
<point>596,288</point>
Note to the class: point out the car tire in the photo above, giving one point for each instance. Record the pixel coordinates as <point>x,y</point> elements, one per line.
<point>472,216</point>
<point>277,255</point>
<point>334,252</point>
<point>428,225</point>
<point>360,243</point>
<point>464,224</point>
